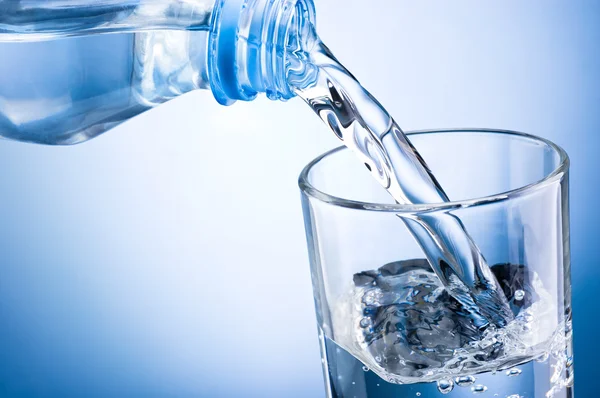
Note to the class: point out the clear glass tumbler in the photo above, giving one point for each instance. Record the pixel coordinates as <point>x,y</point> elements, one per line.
<point>387,326</point>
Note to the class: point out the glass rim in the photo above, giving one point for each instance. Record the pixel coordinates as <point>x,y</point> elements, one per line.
<point>556,175</point>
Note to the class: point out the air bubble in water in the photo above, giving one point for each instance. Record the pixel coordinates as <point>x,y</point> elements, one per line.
<point>418,394</point>
<point>519,295</point>
<point>464,381</point>
<point>445,386</point>
<point>365,322</point>
<point>478,389</point>
<point>370,300</point>
<point>514,396</point>
<point>366,368</point>
<point>513,372</point>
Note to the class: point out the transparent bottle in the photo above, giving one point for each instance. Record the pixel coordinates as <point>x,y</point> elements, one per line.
<point>73,69</point>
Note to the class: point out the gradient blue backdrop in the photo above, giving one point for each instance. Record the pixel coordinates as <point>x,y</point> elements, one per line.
<point>167,257</point>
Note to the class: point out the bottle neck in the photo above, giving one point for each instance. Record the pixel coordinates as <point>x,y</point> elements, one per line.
<point>248,47</point>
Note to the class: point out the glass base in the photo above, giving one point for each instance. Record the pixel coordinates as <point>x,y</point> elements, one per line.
<point>347,377</point>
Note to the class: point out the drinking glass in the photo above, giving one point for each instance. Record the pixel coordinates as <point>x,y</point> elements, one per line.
<point>387,326</point>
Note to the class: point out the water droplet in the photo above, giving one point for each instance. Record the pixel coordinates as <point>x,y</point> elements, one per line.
<point>378,358</point>
<point>418,394</point>
<point>464,381</point>
<point>519,295</point>
<point>365,322</point>
<point>478,389</point>
<point>513,372</point>
<point>445,386</point>
<point>366,368</point>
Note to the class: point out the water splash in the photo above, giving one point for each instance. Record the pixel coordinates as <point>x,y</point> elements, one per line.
<point>417,332</point>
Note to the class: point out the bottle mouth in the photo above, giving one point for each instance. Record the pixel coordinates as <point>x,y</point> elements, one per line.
<point>248,47</point>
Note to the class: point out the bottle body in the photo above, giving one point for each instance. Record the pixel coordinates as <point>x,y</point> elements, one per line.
<point>71,73</point>
<point>66,91</point>
<point>27,20</point>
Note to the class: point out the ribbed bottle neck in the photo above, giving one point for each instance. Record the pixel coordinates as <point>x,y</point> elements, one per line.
<point>248,47</point>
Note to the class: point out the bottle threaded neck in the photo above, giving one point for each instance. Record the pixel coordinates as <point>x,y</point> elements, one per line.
<point>248,47</point>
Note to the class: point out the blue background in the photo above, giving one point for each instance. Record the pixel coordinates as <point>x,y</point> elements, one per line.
<point>167,257</point>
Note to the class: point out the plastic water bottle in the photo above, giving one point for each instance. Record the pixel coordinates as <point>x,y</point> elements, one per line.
<point>73,69</point>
